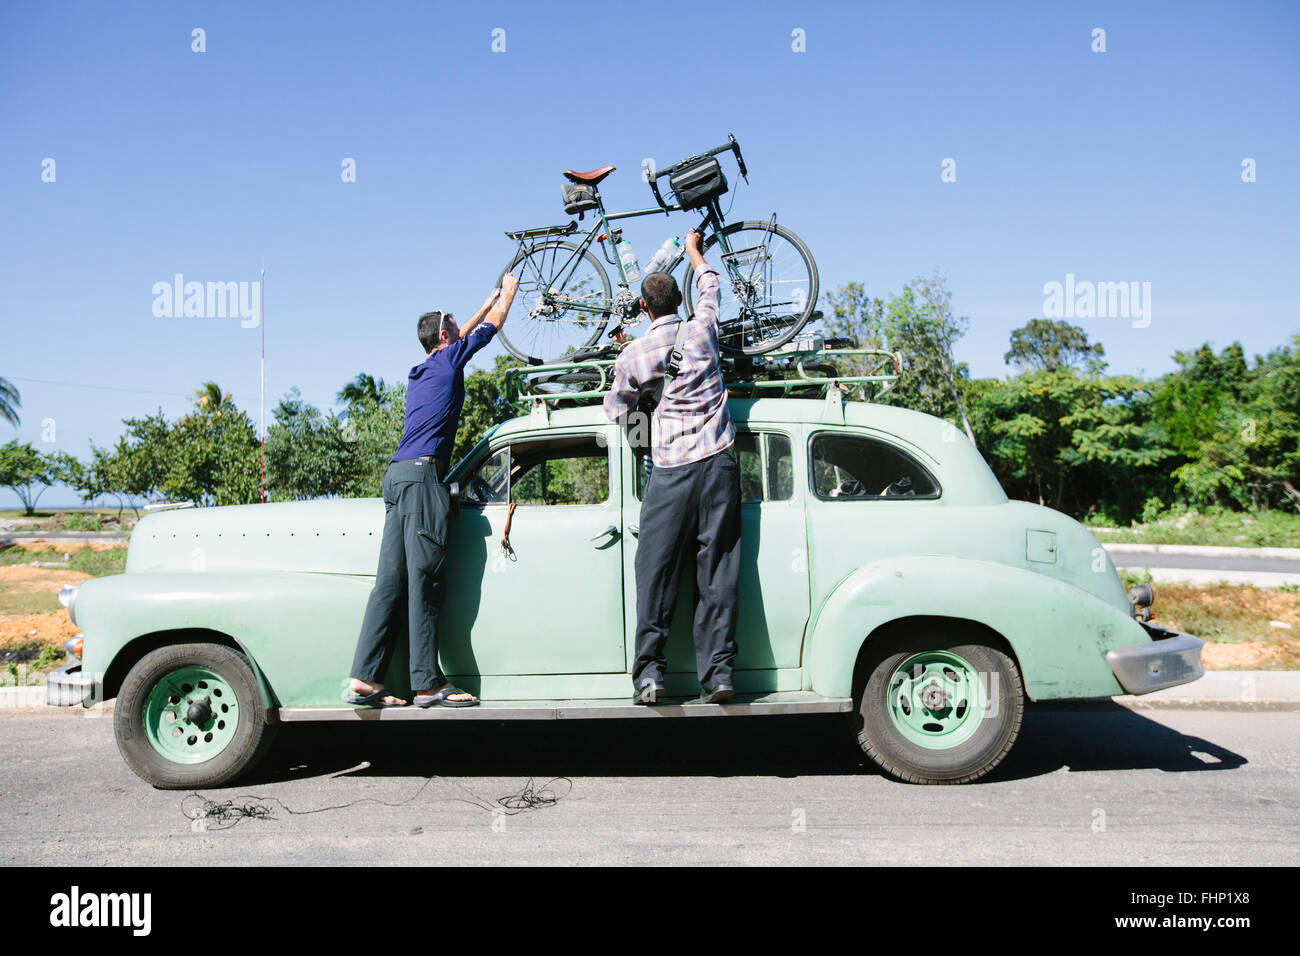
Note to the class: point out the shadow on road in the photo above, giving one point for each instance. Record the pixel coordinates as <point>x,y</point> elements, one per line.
<point>1102,736</point>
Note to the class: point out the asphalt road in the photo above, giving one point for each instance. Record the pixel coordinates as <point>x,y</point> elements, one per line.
<point>1098,784</point>
<point>1212,562</point>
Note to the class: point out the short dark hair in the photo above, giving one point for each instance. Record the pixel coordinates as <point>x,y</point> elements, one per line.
<point>662,297</point>
<point>430,328</point>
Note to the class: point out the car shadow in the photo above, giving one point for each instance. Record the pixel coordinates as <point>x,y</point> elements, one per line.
<point>1104,735</point>
<point>1101,736</point>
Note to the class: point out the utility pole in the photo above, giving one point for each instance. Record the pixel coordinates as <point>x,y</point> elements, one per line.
<point>261,418</point>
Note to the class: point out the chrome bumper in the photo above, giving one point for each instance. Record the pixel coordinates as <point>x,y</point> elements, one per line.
<point>1172,658</point>
<point>67,686</point>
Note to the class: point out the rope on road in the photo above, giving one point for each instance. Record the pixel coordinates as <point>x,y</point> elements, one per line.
<point>206,814</point>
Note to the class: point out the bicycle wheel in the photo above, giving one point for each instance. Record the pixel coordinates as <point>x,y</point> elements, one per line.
<point>767,286</point>
<point>551,277</point>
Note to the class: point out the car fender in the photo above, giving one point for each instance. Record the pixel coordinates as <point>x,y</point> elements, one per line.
<point>251,610</point>
<point>1058,633</point>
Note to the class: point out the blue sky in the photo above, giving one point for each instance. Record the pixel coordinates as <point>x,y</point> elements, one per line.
<point>1115,166</point>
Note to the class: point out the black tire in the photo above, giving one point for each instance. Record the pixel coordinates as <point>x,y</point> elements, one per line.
<point>252,737</point>
<point>902,758</point>
<point>537,273</point>
<point>768,343</point>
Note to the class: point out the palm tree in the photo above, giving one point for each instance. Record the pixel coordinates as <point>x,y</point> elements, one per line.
<point>210,396</point>
<point>10,402</point>
<point>364,388</point>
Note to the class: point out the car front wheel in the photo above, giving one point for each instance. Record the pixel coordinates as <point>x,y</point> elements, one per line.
<point>189,716</point>
<point>936,709</point>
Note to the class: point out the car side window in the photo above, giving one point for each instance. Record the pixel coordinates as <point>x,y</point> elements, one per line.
<point>766,462</point>
<point>857,467</point>
<point>490,483</point>
<point>569,470</point>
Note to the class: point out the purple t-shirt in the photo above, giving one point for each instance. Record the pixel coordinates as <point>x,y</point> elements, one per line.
<point>435,394</point>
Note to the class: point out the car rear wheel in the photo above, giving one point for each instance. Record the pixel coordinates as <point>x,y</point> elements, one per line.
<point>937,708</point>
<point>191,715</point>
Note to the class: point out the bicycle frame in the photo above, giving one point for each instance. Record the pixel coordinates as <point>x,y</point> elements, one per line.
<point>713,219</point>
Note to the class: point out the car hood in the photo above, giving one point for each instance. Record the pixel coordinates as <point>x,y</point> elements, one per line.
<point>333,537</point>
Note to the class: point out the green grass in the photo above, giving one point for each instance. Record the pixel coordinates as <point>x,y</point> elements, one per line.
<point>99,563</point>
<point>1235,529</point>
<point>95,563</point>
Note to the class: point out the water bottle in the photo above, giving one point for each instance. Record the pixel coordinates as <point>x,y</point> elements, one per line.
<point>670,249</point>
<point>631,271</point>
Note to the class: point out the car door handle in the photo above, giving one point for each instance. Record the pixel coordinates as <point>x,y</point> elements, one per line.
<point>636,531</point>
<point>611,530</point>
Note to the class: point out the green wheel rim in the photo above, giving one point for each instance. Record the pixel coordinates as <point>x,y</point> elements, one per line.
<point>936,699</point>
<point>191,715</point>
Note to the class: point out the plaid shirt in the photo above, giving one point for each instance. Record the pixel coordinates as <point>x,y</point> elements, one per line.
<point>691,422</point>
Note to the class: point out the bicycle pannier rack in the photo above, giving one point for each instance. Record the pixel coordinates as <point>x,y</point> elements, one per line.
<point>698,183</point>
<point>578,198</point>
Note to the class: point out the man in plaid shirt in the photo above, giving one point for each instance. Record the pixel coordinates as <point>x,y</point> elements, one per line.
<point>692,502</point>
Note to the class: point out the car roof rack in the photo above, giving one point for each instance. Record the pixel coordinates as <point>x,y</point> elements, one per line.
<point>806,367</point>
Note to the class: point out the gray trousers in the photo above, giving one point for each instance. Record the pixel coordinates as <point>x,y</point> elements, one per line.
<point>690,509</point>
<point>411,556</point>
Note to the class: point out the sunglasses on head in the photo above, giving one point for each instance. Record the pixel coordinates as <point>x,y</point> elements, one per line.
<point>442,321</point>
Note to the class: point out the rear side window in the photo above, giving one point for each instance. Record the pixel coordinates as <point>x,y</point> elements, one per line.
<point>766,462</point>
<point>860,468</point>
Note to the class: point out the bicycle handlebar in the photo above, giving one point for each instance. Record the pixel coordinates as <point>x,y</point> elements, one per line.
<point>731,145</point>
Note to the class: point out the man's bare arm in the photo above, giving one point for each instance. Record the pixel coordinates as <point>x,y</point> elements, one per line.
<point>478,316</point>
<point>497,314</point>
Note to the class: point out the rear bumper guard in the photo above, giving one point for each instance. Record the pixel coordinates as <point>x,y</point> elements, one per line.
<point>1172,658</point>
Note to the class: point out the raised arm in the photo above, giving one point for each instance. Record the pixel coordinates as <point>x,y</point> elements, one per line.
<point>706,281</point>
<point>497,314</point>
<point>477,317</point>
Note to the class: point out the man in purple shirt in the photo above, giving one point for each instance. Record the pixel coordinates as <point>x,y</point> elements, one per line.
<point>692,501</point>
<point>418,512</point>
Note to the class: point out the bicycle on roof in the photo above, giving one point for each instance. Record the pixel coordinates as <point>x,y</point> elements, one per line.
<point>768,294</point>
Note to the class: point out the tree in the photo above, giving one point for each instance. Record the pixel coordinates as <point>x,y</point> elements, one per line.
<point>485,404</point>
<point>1071,441</point>
<point>920,324</point>
<point>137,466</point>
<point>306,454</point>
<point>10,402</point>
<point>26,471</point>
<point>1051,344</point>
<point>856,315</point>
<point>363,388</point>
<point>373,430</point>
<point>213,454</point>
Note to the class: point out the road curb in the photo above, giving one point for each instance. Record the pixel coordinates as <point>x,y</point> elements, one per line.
<point>1204,551</point>
<point>1228,690</point>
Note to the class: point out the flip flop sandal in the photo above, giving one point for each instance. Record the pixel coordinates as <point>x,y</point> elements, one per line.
<point>371,700</point>
<point>439,697</point>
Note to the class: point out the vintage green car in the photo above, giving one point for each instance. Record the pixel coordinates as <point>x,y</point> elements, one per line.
<point>886,576</point>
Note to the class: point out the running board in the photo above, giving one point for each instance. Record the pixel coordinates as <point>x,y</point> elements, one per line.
<point>752,705</point>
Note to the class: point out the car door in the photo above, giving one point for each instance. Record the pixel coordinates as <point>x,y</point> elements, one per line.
<point>546,596</point>
<point>773,587</point>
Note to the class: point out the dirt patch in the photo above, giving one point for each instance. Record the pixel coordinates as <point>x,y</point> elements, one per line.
<point>19,577</point>
<point>1228,614</point>
<point>42,548</point>
<point>52,629</point>
<point>1256,656</point>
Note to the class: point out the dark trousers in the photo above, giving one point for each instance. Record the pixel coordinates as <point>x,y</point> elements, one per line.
<point>692,508</point>
<point>411,556</point>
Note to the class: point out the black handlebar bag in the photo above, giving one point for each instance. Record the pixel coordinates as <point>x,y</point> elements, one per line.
<point>695,185</point>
